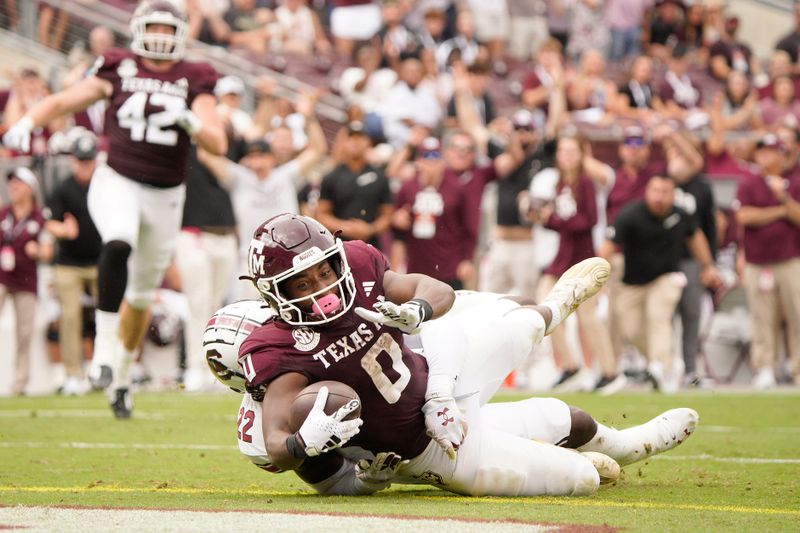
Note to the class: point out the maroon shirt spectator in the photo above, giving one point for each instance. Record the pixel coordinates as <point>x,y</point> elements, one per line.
<point>139,148</point>
<point>17,268</point>
<point>629,185</point>
<point>775,241</point>
<point>724,165</point>
<point>574,216</point>
<point>318,354</point>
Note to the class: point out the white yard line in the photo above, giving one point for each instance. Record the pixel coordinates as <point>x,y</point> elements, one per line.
<point>35,519</point>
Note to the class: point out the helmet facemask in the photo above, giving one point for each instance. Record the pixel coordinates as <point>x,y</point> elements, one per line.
<point>157,45</point>
<point>273,292</point>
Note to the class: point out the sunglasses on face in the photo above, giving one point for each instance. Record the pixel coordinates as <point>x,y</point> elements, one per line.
<point>431,154</point>
<point>636,142</point>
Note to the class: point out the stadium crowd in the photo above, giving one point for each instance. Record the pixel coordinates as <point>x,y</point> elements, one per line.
<point>490,144</point>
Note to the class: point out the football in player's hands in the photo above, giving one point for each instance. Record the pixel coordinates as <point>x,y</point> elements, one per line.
<point>339,395</point>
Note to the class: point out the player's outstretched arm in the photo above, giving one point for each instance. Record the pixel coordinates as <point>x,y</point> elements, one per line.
<point>74,98</point>
<point>411,299</point>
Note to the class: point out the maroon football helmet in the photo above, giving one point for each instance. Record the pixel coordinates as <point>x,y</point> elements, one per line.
<point>288,244</point>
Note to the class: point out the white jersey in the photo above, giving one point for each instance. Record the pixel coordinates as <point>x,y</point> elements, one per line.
<point>490,357</point>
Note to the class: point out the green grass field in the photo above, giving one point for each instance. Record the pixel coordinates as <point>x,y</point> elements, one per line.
<point>740,470</point>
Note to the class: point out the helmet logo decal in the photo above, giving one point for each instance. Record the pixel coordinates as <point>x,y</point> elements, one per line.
<point>307,258</point>
<point>306,339</point>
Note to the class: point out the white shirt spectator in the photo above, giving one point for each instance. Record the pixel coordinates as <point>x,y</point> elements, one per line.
<point>403,105</point>
<point>375,90</point>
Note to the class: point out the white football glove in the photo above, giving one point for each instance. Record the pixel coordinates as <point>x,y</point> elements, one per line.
<point>445,422</point>
<point>190,122</point>
<point>406,317</point>
<point>18,137</point>
<point>321,433</point>
<point>381,470</point>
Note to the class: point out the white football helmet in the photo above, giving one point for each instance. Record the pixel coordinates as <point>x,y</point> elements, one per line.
<point>156,45</point>
<point>225,332</point>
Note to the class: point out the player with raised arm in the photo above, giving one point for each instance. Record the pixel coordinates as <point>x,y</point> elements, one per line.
<point>321,289</point>
<point>158,104</point>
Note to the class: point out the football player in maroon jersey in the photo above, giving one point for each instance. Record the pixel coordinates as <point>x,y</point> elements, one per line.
<point>324,291</point>
<point>157,105</point>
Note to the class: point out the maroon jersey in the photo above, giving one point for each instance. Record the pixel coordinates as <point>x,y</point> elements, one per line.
<point>442,233</point>
<point>574,217</point>
<point>17,270</point>
<point>389,378</point>
<point>145,143</point>
<point>628,189</point>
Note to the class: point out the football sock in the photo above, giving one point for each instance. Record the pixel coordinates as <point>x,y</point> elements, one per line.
<point>122,374</point>
<point>106,338</point>
<point>556,319</point>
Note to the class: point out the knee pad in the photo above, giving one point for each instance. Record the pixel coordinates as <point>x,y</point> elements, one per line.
<point>112,275</point>
<point>115,253</point>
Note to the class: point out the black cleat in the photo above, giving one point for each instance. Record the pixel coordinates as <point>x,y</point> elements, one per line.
<point>122,404</point>
<point>103,380</point>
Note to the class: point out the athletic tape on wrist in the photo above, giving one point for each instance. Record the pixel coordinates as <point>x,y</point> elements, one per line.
<point>427,310</point>
<point>294,447</point>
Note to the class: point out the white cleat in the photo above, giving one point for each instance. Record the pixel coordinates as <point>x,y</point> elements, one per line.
<point>578,284</point>
<point>662,433</point>
<point>607,468</point>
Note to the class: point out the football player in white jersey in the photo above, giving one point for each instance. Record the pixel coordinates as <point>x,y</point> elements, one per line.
<point>459,343</point>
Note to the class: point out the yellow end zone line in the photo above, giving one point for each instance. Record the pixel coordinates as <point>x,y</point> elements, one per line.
<point>541,500</point>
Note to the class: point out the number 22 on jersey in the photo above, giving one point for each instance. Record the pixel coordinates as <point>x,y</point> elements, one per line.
<point>151,128</point>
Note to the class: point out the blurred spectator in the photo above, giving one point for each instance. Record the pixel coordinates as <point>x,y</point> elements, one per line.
<point>355,197</point>
<point>636,95</point>
<point>693,194</point>
<point>511,259</point>
<point>229,91</point>
<point>572,213</point>
<point>666,28</point>
<point>740,104</point>
<point>694,37</point>
<point>678,96</point>
<point>262,184</point>
<point>411,101</point>
<point>23,245</point>
<point>476,95</point>
<point>28,89</point>
<point>462,47</point>
<point>432,33</point>
<point>590,92</point>
<point>780,65</point>
<point>248,26</point>
<point>768,208</point>
<point>492,23</point>
<point>206,257</point>
<point>652,233</point>
<point>558,17</point>
<point>354,20</point>
<point>628,186</point>
<point>726,157</point>
<point>782,107</point>
<point>528,29</point>
<point>728,53</point>
<point>714,21</point>
<point>433,233</point>
<point>546,77</point>
<point>625,19</point>
<point>299,30</point>
<point>78,249</point>
<point>587,29</point>
<point>790,43</point>
<point>366,85</point>
<point>397,38</point>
